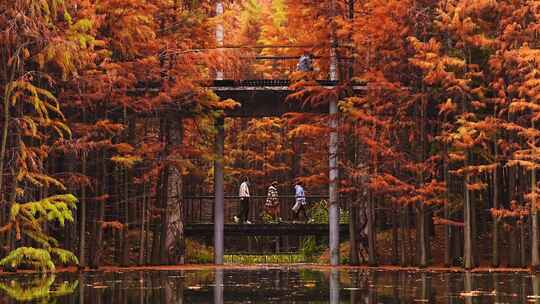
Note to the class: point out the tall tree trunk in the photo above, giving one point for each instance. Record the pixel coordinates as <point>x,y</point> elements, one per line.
<point>395,218</point>
<point>467,229</point>
<point>447,228</point>
<point>372,255</point>
<point>353,239</point>
<point>98,229</point>
<point>124,257</point>
<point>535,257</point>
<point>421,228</point>
<point>514,253</point>
<point>174,238</point>
<point>5,129</point>
<point>143,222</point>
<point>127,181</point>
<point>495,225</point>
<point>403,234</point>
<point>82,237</point>
<point>158,233</point>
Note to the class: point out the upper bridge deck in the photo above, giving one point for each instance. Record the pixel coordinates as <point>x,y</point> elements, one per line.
<point>268,97</point>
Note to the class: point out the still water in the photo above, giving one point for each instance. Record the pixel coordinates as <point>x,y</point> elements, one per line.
<point>271,285</point>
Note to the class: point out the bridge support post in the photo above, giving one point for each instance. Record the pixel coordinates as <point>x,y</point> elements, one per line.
<point>218,163</point>
<point>333,208</point>
<point>220,35</point>
<point>219,192</point>
<point>334,286</point>
<point>218,286</point>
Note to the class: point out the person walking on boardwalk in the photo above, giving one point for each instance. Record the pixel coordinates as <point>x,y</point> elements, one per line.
<point>305,63</point>
<point>272,202</point>
<point>300,202</point>
<point>243,193</point>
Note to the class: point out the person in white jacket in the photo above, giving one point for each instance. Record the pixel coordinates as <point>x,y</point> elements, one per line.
<point>243,193</point>
<point>300,202</point>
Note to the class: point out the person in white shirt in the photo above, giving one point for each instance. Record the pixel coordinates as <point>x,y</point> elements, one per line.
<point>300,202</point>
<point>243,193</point>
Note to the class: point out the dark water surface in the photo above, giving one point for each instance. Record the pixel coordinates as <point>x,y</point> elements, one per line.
<point>271,285</point>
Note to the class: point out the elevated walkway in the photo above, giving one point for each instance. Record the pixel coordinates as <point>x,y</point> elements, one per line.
<point>283,229</point>
<point>266,97</point>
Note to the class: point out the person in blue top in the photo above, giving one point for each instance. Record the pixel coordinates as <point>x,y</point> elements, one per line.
<point>305,63</point>
<point>300,202</point>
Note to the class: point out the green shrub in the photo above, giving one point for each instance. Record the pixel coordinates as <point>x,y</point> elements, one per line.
<point>309,248</point>
<point>198,253</point>
<point>264,259</point>
<point>319,213</point>
<point>27,219</point>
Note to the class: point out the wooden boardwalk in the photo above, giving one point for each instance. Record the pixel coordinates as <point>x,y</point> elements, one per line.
<point>267,98</point>
<point>264,229</point>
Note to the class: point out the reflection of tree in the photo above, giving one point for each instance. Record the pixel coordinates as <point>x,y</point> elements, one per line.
<point>41,290</point>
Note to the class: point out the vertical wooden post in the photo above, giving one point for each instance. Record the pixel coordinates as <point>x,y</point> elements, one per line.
<point>333,208</point>
<point>219,193</point>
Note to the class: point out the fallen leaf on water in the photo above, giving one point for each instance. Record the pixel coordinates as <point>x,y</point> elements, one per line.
<point>197,287</point>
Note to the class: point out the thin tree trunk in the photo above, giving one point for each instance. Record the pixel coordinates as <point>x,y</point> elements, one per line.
<point>467,229</point>
<point>82,237</point>
<point>353,239</point>
<point>5,129</point>
<point>495,226</point>
<point>158,238</point>
<point>395,218</point>
<point>403,233</point>
<point>372,255</point>
<point>100,216</point>
<point>447,228</point>
<point>143,222</point>
<point>124,259</point>
<point>514,257</point>
<point>535,257</point>
<point>422,231</point>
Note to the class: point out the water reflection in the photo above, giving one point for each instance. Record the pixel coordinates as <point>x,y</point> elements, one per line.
<point>36,289</point>
<point>272,285</point>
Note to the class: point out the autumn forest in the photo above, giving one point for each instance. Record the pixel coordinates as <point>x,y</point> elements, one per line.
<point>108,128</point>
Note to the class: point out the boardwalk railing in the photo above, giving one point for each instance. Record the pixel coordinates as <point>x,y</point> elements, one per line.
<point>199,209</point>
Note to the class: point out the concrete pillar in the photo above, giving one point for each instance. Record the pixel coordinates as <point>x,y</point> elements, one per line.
<point>333,209</point>
<point>334,286</point>
<point>218,286</point>
<point>218,163</point>
<point>220,35</point>
<point>219,192</point>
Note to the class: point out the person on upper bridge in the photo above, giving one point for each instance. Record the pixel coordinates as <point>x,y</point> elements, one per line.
<point>305,63</point>
<point>300,202</point>
<point>243,193</point>
<point>271,207</point>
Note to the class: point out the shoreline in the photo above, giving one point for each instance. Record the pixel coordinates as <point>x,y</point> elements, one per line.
<point>433,269</point>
